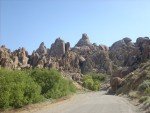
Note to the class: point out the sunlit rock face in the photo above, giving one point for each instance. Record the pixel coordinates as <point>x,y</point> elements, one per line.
<point>84,41</point>
<point>57,48</point>
<point>121,58</point>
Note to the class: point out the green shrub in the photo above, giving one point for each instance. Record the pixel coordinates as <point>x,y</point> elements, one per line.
<point>147,91</point>
<point>52,83</point>
<point>96,85</point>
<point>92,81</point>
<point>88,84</point>
<point>99,77</point>
<point>143,99</point>
<point>143,86</point>
<point>17,89</point>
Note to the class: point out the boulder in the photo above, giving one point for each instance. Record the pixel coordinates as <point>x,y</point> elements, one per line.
<point>116,83</point>
<point>121,72</point>
<point>142,40</point>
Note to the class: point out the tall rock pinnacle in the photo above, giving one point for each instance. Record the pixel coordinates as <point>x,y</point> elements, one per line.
<point>84,41</point>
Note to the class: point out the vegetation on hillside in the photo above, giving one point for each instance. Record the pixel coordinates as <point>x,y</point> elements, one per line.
<point>19,88</point>
<point>52,83</point>
<point>92,81</point>
<point>137,84</point>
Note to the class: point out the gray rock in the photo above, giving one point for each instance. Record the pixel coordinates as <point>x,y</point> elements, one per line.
<point>127,40</point>
<point>84,41</point>
<point>58,48</point>
<point>141,40</point>
<point>67,47</point>
<point>42,49</point>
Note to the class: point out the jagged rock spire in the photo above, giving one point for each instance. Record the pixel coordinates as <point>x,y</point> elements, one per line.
<point>84,41</point>
<point>42,49</point>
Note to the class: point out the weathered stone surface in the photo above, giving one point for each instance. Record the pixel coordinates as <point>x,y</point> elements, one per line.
<point>144,47</point>
<point>5,57</point>
<point>123,50</point>
<point>22,55</point>
<point>103,47</point>
<point>34,59</point>
<point>127,40</point>
<point>142,40</point>
<point>42,49</point>
<point>127,56</point>
<point>58,48</point>
<point>120,59</point>
<point>67,47</point>
<point>116,83</point>
<point>84,41</point>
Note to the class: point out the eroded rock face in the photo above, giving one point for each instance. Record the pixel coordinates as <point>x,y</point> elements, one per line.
<point>119,60</point>
<point>97,62</point>
<point>5,57</point>
<point>84,41</point>
<point>58,48</point>
<point>14,59</point>
<point>124,53</point>
<point>144,47</point>
<point>96,58</point>
<point>22,55</point>
<point>42,49</point>
<point>127,56</point>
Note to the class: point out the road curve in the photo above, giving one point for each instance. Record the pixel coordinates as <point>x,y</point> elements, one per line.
<point>93,102</point>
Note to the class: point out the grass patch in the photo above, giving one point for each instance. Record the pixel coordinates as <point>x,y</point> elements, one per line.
<point>144,87</point>
<point>143,99</point>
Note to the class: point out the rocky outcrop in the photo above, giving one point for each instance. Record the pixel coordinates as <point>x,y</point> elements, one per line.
<point>122,51</point>
<point>17,59</point>
<point>127,57</point>
<point>42,49</point>
<point>143,43</point>
<point>22,56</point>
<point>5,57</point>
<point>57,48</point>
<point>96,58</point>
<point>84,41</point>
<point>83,58</point>
<point>119,60</point>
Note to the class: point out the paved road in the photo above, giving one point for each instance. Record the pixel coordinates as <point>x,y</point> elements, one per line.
<point>93,102</point>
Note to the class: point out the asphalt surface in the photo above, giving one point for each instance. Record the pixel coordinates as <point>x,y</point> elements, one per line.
<point>93,102</point>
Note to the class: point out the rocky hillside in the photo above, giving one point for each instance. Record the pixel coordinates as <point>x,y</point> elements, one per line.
<point>126,57</point>
<point>122,58</point>
<point>83,58</point>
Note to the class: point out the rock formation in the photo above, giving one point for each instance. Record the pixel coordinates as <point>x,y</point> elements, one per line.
<point>127,56</point>
<point>84,41</point>
<point>42,49</point>
<point>119,60</point>
<point>57,48</point>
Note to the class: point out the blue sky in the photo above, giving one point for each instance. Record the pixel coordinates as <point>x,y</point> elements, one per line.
<point>27,23</point>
